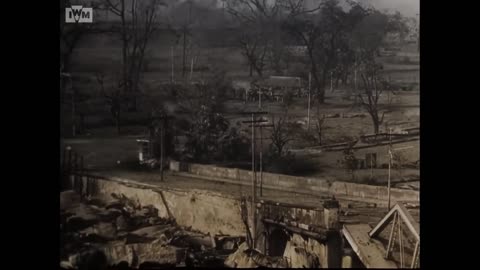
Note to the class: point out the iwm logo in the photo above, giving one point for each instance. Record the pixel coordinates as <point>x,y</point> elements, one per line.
<point>78,14</point>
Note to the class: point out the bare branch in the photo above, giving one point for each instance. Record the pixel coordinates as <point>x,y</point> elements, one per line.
<point>113,8</point>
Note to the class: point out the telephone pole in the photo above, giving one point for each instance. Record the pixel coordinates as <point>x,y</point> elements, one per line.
<point>163,125</point>
<point>309,93</point>
<point>261,154</point>
<point>390,156</point>
<point>253,121</point>
<point>173,72</point>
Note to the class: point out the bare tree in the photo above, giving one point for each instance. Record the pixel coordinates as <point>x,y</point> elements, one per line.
<point>138,21</point>
<point>324,36</point>
<point>370,97</point>
<point>280,135</point>
<point>261,20</point>
<point>254,48</point>
<point>72,33</point>
<point>256,17</point>
<point>114,97</point>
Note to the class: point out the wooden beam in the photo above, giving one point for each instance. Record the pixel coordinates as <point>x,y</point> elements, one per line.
<point>383,223</point>
<point>415,255</point>
<point>290,205</point>
<point>315,235</point>
<point>412,225</point>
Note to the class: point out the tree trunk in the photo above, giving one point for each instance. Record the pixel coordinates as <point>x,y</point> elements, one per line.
<point>251,69</point>
<point>258,70</point>
<point>376,123</point>
<point>184,51</point>
<point>117,122</point>
<point>321,89</point>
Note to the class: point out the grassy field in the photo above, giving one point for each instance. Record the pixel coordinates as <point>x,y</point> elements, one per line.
<point>103,148</point>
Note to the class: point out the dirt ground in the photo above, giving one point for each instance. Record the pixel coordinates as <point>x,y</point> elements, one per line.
<point>103,149</point>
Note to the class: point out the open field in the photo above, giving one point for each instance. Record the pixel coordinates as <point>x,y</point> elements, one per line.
<point>102,147</point>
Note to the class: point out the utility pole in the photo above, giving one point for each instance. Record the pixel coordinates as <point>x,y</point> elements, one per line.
<point>74,129</point>
<point>390,156</point>
<point>163,125</point>
<point>260,98</point>
<point>162,150</point>
<point>261,154</point>
<point>254,176</point>
<point>331,81</point>
<point>224,21</point>
<point>191,70</point>
<point>173,78</point>
<point>309,93</point>
<point>64,78</point>
<point>187,22</point>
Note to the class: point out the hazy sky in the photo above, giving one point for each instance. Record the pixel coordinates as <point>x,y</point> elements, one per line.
<point>407,7</point>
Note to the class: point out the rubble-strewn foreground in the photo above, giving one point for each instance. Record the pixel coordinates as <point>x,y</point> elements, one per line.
<point>122,233</point>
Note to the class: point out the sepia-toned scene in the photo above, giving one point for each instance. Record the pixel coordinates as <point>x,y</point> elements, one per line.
<point>239,134</point>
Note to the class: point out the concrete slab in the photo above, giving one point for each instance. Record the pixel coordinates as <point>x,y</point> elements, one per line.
<point>370,251</point>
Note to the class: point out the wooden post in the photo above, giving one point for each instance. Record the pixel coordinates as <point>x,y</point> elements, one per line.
<point>69,163</point>
<point>162,150</point>
<point>415,255</point>
<point>254,175</point>
<point>75,168</point>
<point>253,184</point>
<point>389,165</point>
<point>391,239</point>
<point>64,160</point>
<point>81,165</point>
<point>261,162</point>
<point>371,166</point>
<point>73,112</point>
<point>80,177</point>
<point>265,242</point>
<point>331,81</point>
<point>309,93</point>
<point>260,97</point>
<point>191,70</point>
<point>173,73</point>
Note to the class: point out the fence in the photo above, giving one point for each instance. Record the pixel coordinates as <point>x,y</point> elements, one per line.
<point>71,169</point>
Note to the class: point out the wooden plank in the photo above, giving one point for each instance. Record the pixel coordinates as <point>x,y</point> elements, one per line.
<point>370,251</point>
<point>383,222</point>
<point>407,218</point>
<point>409,221</point>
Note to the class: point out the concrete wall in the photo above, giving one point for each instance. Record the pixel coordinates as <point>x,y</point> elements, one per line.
<point>204,211</point>
<point>298,251</point>
<point>373,192</point>
<point>300,184</point>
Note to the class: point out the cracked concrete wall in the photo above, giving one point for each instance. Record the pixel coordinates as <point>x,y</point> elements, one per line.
<point>304,184</point>
<point>208,212</point>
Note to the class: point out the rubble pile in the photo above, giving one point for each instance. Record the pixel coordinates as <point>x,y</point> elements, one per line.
<point>245,257</point>
<point>123,233</point>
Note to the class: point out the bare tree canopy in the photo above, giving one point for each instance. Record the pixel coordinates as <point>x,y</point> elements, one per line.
<point>138,21</point>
